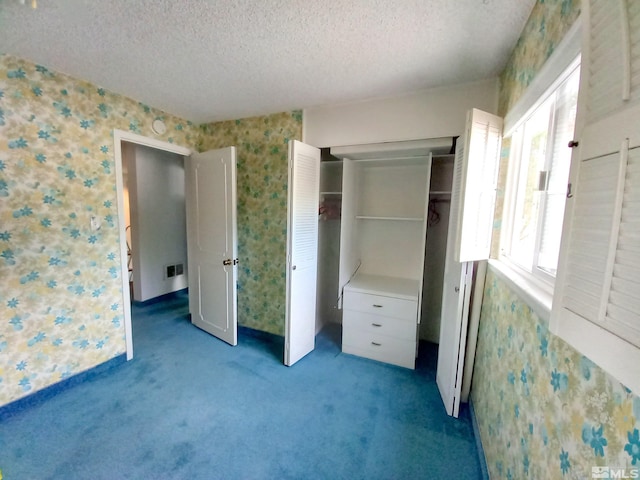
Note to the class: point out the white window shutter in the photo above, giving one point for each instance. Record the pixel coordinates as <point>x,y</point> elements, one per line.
<point>478,170</point>
<point>605,56</point>
<point>633,17</point>
<point>602,278</point>
<point>586,264</point>
<point>613,46</point>
<point>596,305</point>
<point>622,312</point>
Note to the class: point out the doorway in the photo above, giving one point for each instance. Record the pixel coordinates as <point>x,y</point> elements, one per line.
<point>128,138</point>
<point>209,180</point>
<point>155,217</point>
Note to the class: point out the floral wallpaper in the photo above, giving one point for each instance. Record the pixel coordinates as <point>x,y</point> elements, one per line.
<point>262,146</point>
<point>61,309</point>
<point>544,410</point>
<point>545,28</point>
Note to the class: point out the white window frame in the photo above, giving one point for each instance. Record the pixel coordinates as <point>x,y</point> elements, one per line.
<point>514,179</point>
<point>535,290</point>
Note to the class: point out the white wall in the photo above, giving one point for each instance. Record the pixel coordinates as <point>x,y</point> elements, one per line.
<point>156,186</point>
<point>436,248</point>
<point>438,112</point>
<point>329,244</point>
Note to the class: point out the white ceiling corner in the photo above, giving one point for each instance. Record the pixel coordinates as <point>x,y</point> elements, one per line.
<point>208,60</point>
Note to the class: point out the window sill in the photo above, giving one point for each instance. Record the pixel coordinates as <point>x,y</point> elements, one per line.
<point>534,293</point>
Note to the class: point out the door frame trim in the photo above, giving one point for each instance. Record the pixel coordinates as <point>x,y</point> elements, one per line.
<point>118,137</point>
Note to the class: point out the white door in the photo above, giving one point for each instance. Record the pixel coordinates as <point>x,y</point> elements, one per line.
<point>212,242</point>
<point>456,293</point>
<point>302,251</point>
<point>468,238</point>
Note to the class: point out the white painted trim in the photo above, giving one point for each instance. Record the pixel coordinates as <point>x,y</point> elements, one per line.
<point>123,135</point>
<point>547,78</point>
<point>118,137</point>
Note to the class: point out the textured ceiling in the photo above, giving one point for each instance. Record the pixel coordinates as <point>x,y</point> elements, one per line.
<point>207,60</point>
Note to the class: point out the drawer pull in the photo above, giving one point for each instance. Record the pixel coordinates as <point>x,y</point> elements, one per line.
<point>376,324</point>
<point>377,306</point>
<point>376,344</point>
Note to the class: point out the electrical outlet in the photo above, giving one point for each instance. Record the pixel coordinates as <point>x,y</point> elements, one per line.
<point>95,223</point>
<point>171,271</point>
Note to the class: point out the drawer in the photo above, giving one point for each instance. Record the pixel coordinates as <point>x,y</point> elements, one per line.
<point>379,347</point>
<point>380,305</point>
<point>380,325</point>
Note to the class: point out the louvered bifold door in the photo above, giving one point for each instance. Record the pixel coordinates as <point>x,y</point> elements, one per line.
<point>302,250</point>
<point>602,278</point>
<point>455,298</point>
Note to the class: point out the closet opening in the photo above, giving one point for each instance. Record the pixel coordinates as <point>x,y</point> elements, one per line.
<point>383,224</point>
<point>438,216</point>
<point>329,221</point>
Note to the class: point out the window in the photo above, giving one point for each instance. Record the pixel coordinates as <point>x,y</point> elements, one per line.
<point>538,174</point>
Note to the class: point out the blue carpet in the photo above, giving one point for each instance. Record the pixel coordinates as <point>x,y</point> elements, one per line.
<point>188,406</point>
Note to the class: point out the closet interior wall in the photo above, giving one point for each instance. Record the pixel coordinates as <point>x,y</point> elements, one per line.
<point>436,245</point>
<point>375,246</point>
<point>329,221</point>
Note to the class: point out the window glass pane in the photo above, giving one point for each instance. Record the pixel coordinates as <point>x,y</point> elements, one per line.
<point>560,161</point>
<point>527,201</point>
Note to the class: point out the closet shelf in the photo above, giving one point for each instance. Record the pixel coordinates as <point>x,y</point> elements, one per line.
<point>440,192</point>
<point>330,193</point>
<point>401,219</point>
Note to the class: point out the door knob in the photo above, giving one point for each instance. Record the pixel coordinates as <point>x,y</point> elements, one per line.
<point>293,267</point>
<point>226,262</point>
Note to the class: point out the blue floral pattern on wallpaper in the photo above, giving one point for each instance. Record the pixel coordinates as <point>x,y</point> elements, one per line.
<point>543,409</point>
<point>262,211</point>
<point>61,309</point>
<point>544,30</point>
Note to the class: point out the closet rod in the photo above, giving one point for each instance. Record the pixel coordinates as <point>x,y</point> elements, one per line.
<point>391,159</point>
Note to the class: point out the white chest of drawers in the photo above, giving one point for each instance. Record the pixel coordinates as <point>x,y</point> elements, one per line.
<point>380,319</point>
